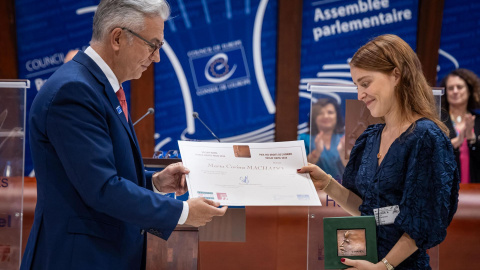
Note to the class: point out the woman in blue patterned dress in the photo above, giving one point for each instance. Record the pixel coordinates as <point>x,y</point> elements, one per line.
<point>406,163</point>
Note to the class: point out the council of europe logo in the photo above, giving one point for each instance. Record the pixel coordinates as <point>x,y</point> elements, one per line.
<point>219,67</point>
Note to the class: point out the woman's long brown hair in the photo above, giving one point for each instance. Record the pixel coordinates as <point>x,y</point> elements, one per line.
<point>413,94</point>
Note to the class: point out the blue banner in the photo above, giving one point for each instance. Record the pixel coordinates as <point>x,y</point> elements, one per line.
<point>332,32</point>
<point>219,60</point>
<point>460,41</point>
<point>46,32</point>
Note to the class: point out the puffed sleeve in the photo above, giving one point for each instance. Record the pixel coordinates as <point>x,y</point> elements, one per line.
<point>431,187</point>
<point>355,160</point>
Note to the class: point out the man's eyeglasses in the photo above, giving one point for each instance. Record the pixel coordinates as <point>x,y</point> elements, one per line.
<point>153,47</point>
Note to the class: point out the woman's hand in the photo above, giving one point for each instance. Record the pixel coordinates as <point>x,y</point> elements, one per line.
<point>469,121</point>
<point>319,146</point>
<point>363,265</point>
<point>457,141</point>
<point>319,178</point>
<point>341,151</point>
<point>319,143</point>
<point>341,146</point>
<point>349,201</point>
<point>469,127</point>
<point>465,130</point>
<point>317,152</point>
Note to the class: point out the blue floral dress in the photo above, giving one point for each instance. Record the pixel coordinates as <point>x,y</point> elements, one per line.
<point>419,174</point>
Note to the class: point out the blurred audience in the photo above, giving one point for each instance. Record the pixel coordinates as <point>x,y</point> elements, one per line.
<point>69,56</point>
<point>328,144</point>
<point>460,109</point>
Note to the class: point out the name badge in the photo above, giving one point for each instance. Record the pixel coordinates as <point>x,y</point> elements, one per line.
<point>386,215</point>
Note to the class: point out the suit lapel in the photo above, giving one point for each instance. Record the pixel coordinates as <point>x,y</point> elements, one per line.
<point>112,98</point>
<point>141,170</point>
<point>83,59</point>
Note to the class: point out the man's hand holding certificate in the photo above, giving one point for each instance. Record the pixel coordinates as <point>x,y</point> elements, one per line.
<point>239,174</point>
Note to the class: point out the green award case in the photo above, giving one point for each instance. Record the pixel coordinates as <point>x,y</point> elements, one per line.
<point>349,237</point>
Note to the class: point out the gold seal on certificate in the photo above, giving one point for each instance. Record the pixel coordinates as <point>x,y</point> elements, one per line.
<point>247,174</point>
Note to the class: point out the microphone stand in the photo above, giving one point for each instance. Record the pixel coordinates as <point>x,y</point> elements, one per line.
<point>195,115</point>
<point>150,111</point>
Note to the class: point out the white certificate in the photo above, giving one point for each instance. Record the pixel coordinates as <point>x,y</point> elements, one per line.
<point>237,174</point>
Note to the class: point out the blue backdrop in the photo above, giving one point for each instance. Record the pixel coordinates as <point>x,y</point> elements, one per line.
<point>460,40</point>
<point>333,30</point>
<point>219,61</point>
<point>46,31</point>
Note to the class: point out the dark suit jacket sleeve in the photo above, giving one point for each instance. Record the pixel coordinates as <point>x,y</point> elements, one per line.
<point>148,176</point>
<point>78,127</point>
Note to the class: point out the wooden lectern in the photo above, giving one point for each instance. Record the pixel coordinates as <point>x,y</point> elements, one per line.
<point>179,252</point>
<point>181,249</point>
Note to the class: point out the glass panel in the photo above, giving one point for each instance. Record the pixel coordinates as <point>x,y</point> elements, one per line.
<point>327,130</point>
<point>337,115</point>
<point>12,135</point>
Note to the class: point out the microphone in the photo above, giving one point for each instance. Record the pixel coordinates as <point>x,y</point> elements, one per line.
<point>150,111</point>
<point>195,115</point>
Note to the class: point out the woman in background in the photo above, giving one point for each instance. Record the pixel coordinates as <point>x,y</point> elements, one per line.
<point>459,103</point>
<point>328,146</point>
<point>406,165</point>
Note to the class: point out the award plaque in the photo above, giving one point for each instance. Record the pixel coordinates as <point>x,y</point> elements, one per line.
<point>349,237</point>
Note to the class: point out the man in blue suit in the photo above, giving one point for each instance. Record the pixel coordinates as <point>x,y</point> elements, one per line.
<point>95,201</point>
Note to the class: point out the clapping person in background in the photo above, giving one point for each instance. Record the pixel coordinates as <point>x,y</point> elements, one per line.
<point>328,145</point>
<point>406,164</point>
<point>460,105</point>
